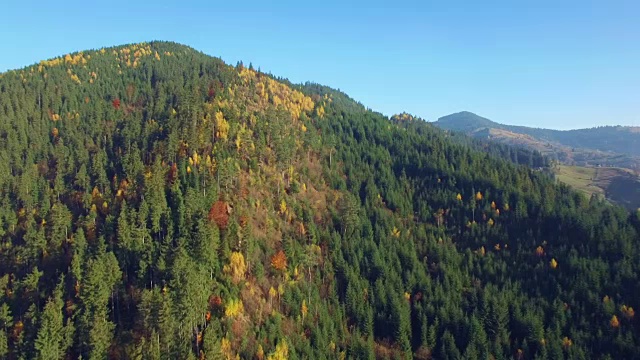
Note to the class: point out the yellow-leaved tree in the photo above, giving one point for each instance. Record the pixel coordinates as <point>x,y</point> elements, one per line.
<point>234,308</point>
<point>260,352</point>
<point>272,295</point>
<point>281,352</point>
<point>395,232</point>
<point>283,207</point>
<point>237,266</point>
<point>304,309</point>
<point>222,126</point>
<point>482,251</point>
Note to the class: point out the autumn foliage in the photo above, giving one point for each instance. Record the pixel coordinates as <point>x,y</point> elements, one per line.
<point>219,213</point>
<point>615,323</point>
<point>17,329</point>
<point>105,228</point>
<point>304,309</point>
<point>279,261</point>
<point>172,175</point>
<point>215,301</point>
<point>237,266</point>
<point>627,311</point>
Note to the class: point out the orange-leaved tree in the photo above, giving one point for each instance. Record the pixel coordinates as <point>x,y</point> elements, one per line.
<point>614,322</point>
<point>279,261</point>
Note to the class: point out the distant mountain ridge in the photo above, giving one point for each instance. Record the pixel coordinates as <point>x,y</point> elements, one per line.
<point>596,161</point>
<point>606,145</point>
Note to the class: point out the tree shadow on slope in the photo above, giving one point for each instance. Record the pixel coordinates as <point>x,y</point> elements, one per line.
<point>625,190</point>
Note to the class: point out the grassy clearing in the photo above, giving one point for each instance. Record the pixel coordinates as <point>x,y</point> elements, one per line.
<point>580,178</point>
<point>618,185</point>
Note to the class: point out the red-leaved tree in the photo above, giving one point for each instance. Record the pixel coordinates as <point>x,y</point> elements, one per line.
<point>219,213</point>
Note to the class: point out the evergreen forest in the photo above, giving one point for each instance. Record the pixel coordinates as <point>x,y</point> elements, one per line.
<point>157,203</point>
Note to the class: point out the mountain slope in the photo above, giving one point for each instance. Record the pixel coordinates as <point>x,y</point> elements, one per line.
<point>618,139</point>
<point>158,203</point>
<point>604,144</point>
<point>619,185</point>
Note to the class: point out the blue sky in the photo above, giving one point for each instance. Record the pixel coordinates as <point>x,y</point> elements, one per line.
<point>557,64</point>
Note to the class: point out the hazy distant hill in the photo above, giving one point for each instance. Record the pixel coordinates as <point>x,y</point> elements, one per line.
<point>607,145</point>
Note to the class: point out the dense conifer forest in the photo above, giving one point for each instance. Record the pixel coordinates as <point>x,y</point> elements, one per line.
<point>160,204</point>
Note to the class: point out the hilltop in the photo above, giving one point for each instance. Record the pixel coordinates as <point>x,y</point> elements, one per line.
<point>159,203</point>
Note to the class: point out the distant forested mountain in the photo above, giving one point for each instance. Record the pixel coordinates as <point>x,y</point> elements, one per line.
<point>606,145</point>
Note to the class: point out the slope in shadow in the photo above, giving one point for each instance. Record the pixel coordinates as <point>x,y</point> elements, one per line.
<point>625,190</point>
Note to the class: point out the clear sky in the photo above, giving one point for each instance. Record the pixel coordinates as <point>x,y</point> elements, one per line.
<point>558,64</point>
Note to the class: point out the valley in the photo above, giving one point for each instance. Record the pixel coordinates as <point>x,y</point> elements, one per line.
<point>585,159</point>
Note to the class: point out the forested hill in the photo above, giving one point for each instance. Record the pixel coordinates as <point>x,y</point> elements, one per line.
<point>517,154</point>
<point>160,204</point>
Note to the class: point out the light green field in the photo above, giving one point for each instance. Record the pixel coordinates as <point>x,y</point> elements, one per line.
<point>580,178</point>
<point>618,185</point>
